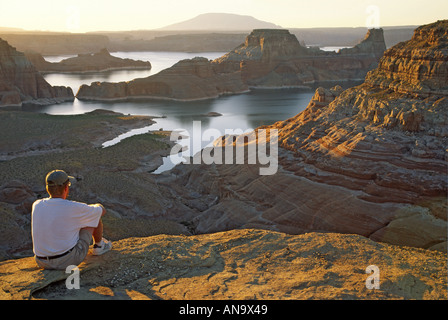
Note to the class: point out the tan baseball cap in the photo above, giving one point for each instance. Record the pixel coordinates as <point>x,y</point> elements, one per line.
<point>58,178</point>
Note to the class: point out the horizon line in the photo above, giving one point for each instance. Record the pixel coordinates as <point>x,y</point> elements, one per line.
<point>22,30</point>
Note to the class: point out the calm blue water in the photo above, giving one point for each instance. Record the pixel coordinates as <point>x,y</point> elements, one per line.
<point>243,111</point>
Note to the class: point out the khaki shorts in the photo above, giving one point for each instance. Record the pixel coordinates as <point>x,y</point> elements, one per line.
<point>74,257</point>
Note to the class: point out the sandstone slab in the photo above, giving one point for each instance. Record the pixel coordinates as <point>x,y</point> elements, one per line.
<point>239,264</point>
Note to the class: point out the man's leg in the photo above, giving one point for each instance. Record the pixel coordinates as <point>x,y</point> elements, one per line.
<point>101,245</point>
<point>97,232</point>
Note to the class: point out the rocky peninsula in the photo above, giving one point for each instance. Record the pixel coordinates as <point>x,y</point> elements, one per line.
<point>21,82</point>
<point>268,58</point>
<point>85,62</point>
<point>189,79</point>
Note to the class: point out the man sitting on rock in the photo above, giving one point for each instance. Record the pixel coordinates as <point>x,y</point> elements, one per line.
<point>62,229</point>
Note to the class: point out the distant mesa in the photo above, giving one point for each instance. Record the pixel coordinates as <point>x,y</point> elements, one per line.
<point>275,58</point>
<point>85,62</point>
<point>51,43</point>
<point>222,21</point>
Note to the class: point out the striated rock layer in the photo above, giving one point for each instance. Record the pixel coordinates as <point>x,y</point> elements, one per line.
<point>370,160</point>
<point>268,58</point>
<point>418,66</point>
<point>275,58</point>
<point>20,81</point>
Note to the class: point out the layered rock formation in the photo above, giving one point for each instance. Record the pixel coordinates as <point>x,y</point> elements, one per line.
<point>20,82</point>
<point>268,58</point>
<point>100,61</point>
<point>275,58</point>
<point>190,79</point>
<point>370,160</point>
<point>418,66</point>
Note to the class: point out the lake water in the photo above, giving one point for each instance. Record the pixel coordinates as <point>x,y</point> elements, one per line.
<point>244,111</point>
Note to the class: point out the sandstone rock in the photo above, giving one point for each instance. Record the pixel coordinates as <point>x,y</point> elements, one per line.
<point>418,66</point>
<point>268,58</point>
<point>99,61</point>
<point>15,232</point>
<point>368,160</point>
<point>373,44</point>
<point>275,58</point>
<point>15,192</point>
<point>20,81</point>
<point>9,96</point>
<point>190,79</point>
<point>324,96</point>
<point>239,264</point>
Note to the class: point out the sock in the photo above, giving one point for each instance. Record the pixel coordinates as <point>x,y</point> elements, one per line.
<point>99,244</point>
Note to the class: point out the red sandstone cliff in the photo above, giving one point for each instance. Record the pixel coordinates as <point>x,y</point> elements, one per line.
<point>20,82</point>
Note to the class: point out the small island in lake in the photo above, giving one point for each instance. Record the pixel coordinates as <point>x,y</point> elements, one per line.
<point>86,62</point>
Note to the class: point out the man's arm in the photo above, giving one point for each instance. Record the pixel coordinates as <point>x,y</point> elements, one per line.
<point>102,207</point>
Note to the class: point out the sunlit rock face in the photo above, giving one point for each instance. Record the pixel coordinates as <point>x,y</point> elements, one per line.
<point>418,66</point>
<point>386,139</point>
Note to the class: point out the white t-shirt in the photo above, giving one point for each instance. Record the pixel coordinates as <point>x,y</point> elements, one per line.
<point>55,224</point>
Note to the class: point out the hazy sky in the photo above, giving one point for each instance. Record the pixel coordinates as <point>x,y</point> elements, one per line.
<point>94,15</point>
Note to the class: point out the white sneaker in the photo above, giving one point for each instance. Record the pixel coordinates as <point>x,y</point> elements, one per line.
<point>102,247</point>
